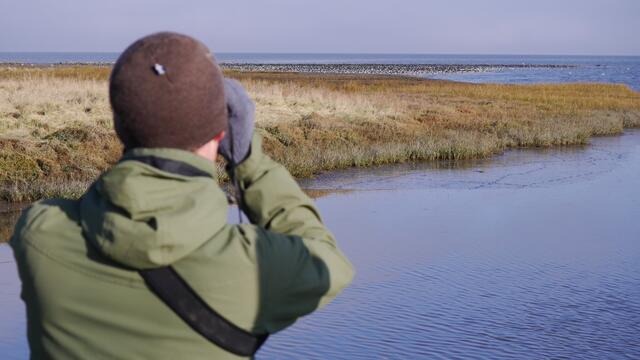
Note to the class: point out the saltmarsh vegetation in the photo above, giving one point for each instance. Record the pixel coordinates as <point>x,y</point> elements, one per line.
<point>56,133</point>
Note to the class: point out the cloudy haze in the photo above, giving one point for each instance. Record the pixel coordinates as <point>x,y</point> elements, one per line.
<point>356,26</point>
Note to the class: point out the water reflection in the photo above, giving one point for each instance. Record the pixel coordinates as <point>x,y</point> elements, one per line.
<point>13,342</point>
<point>532,255</point>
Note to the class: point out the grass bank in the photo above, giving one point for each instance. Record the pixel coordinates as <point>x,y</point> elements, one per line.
<point>56,136</point>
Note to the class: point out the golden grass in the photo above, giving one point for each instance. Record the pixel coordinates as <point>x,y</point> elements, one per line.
<point>76,72</point>
<point>56,136</point>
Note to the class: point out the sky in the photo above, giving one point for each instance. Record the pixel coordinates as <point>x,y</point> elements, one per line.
<point>572,27</point>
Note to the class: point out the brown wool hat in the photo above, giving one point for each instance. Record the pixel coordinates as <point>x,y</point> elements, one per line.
<point>166,90</point>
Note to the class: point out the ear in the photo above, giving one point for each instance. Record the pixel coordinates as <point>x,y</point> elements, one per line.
<point>210,149</point>
<point>220,136</point>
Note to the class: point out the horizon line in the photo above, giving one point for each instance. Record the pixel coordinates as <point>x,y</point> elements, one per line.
<point>340,53</point>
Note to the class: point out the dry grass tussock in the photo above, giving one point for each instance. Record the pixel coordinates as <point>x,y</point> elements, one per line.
<point>56,135</point>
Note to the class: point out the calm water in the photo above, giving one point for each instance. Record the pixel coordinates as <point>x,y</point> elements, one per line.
<point>615,69</point>
<point>533,254</point>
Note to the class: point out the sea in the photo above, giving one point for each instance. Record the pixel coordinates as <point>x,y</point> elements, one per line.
<point>517,69</point>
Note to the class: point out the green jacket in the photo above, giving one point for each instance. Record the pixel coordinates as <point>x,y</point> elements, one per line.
<point>78,259</point>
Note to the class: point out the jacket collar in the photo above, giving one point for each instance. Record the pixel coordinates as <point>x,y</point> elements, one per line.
<point>174,161</point>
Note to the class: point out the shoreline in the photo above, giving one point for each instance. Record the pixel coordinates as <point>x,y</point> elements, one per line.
<point>10,211</point>
<point>57,137</point>
<point>413,70</point>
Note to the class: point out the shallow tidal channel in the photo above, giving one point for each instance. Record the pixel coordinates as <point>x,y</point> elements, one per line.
<point>531,254</point>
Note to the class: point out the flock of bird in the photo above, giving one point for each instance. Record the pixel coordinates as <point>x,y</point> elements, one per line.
<point>379,69</point>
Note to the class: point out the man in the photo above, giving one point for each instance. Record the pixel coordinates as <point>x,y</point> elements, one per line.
<point>144,265</point>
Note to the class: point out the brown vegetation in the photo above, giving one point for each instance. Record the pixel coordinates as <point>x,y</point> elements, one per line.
<point>56,136</point>
<point>8,217</point>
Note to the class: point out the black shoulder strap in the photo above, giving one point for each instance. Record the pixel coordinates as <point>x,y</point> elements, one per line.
<point>171,288</point>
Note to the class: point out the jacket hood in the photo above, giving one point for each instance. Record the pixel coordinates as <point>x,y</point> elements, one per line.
<point>154,207</point>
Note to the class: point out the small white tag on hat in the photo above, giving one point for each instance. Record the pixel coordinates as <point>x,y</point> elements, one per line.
<point>159,69</point>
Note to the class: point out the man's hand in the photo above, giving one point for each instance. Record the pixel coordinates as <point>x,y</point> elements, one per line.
<point>235,146</point>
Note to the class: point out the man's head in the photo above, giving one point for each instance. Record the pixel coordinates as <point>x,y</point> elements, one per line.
<point>167,91</point>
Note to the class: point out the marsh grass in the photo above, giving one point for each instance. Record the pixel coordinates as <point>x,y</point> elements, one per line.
<point>9,214</point>
<point>7,223</point>
<point>56,135</point>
